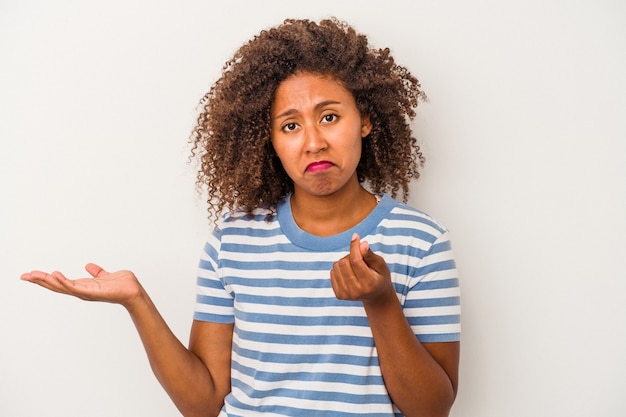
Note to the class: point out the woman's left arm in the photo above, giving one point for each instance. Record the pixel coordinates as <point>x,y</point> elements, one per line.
<point>421,378</point>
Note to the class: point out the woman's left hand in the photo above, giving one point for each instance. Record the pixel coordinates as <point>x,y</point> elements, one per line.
<point>361,275</point>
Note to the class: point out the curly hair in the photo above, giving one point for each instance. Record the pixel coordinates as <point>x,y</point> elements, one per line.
<point>232,137</point>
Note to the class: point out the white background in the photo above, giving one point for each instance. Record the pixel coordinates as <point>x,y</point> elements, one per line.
<point>525,137</point>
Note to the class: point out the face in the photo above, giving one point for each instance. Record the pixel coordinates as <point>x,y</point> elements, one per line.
<point>316,132</point>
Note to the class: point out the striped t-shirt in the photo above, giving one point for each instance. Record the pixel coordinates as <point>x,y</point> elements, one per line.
<point>297,349</point>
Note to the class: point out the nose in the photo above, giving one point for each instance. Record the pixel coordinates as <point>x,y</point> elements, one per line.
<point>314,140</point>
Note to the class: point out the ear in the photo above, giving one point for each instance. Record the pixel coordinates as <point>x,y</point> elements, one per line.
<point>366,125</point>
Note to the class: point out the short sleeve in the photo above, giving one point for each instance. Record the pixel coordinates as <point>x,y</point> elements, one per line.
<point>213,302</point>
<point>433,302</point>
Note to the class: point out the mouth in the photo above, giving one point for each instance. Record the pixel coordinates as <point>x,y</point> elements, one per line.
<point>319,166</point>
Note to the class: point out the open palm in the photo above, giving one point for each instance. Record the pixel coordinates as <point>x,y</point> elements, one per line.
<point>121,287</point>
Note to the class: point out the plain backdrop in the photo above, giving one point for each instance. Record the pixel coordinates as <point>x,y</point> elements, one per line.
<point>524,135</point>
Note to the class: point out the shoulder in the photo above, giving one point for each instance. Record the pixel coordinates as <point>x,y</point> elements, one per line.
<point>235,225</point>
<point>404,217</point>
<point>260,217</point>
<point>237,229</point>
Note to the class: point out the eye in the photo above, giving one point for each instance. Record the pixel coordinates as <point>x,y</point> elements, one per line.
<point>290,127</point>
<point>329,118</point>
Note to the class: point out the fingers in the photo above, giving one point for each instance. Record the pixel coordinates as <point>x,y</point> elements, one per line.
<point>371,261</point>
<point>360,275</point>
<point>364,246</point>
<point>55,281</point>
<point>358,251</point>
<point>343,286</point>
<point>355,248</point>
<point>119,287</point>
<point>345,272</point>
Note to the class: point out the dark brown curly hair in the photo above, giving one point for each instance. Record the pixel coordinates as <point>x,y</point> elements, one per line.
<point>232,138</point>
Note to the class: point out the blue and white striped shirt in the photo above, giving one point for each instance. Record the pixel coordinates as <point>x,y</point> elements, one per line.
<point>297,349</point>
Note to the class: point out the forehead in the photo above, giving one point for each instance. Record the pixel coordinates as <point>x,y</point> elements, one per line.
<point>304,88</point>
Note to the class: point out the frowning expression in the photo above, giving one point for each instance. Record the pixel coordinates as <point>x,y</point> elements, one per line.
<point>316,132</point>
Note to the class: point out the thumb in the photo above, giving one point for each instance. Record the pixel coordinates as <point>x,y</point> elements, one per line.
<point>364,248</point>
<point>358,246</point>
<point>95,270</point>
<point>375,262</point>
<point>368,256</point>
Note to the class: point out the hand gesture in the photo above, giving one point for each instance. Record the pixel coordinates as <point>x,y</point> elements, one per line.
<point>120,287</point>
<point>361,275</point>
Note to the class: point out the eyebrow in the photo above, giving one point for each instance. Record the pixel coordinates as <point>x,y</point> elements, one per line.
<point>317,107</point>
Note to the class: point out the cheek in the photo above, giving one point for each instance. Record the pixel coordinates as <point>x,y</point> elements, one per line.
<point>278,148</point>
<point>357,152</point>
<point>356,147</point>
<point>284,154</point>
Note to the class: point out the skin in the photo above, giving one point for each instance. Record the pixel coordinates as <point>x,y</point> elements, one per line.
<point>196,378</point>
<point>427,387</point>
<point>314,118</point>
<point>317,133</point>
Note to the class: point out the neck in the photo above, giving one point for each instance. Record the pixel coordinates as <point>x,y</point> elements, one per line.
<point>331,214</point>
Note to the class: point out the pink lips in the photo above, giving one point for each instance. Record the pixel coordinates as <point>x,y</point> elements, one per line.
<point>319,166</point>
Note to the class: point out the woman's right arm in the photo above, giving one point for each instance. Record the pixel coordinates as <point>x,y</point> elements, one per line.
<point>196,378</point>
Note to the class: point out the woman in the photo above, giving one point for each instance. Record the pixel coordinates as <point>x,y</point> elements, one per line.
<point>316,295</point>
